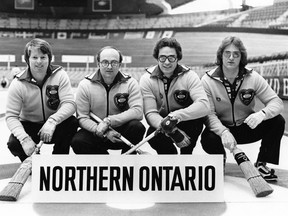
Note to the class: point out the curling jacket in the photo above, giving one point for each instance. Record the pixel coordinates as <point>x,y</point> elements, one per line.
<point>226,114</point>
<point>185,98</point>
<point>29,102</point>
<point>121,102</point>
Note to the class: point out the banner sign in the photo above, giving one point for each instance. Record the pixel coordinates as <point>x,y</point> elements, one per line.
<point>127,179</point>
<point>279,84</point>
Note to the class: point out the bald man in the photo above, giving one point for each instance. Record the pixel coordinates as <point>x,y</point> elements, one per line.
<point>114,97</point>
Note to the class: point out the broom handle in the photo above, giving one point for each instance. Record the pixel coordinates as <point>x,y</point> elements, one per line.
<point>38,146</point>
<point>142,142</point>
<point>139,151</point>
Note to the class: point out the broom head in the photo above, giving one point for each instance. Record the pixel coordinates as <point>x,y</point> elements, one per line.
<point>12,190</point>
<point>259,186</point>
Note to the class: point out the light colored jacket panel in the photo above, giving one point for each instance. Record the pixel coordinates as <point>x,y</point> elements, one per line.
<point>224,113</point>
<point>28,102</point>
<point>157,105</point>
<point>92,97</point>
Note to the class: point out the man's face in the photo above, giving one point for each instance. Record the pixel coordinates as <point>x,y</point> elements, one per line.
<point>109,63</point>
<point>38,62</point>
<point>231,57</point>
<point>167,60</point>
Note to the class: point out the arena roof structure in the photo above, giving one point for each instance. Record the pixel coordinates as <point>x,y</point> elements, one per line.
<point>96,8</point>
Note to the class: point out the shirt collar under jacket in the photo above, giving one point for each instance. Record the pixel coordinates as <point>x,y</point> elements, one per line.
<point>156,72</point>
<point>218,74</point>
<point>26,74</point>
<point>97,77</point>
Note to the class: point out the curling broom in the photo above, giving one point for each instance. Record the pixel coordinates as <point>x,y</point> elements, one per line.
<point>146,139</point>
<point>259,186</point>
<point>127,142</point>
<point>14,187</point>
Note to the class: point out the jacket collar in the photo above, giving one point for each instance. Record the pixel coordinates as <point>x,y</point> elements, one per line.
<point>97,77</point>
<point>26,74</point>
<point>217,73</point>
<point>156,72</point>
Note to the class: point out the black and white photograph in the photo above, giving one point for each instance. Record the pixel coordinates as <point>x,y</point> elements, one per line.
<point>143,107</point>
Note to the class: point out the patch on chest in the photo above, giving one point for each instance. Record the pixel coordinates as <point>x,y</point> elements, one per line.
<point>246,96</point>
<point>53,96</point>
<point>182,97</point>
<point>121,101</point>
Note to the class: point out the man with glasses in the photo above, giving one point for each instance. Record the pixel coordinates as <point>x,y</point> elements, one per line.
<point>174,100</point>
<point>114,97</point>
<point>232,90</point>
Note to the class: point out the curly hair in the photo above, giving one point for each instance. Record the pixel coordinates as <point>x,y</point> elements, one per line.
<point>168,42</point>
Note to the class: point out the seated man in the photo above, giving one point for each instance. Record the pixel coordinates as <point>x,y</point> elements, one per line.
<point>174,100</point>
<point>232,90</point>
<point>40,104</point>
<point>114,97</point>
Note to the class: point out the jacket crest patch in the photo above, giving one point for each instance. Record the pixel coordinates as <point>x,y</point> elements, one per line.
<point>182,97</point>
<point>53,96</point>
<point>246,96</point>
<point>121,101</point>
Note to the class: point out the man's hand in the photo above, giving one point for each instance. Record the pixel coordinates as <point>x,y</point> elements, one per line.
<point>47,130</point>
<point>28,146</point>
<point>113,136</point>
<point>253,120</point>
<point>179,137</point>
<point>168,124</point>
<point>228,140</point>
<point>102,128</point>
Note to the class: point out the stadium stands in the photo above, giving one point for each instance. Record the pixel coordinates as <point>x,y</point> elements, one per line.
<point>136,35</point>
<point>13,21</point>
<point>274,16</point>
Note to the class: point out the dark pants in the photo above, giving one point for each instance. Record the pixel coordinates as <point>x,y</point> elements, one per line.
<point>85,142</point>
<point>61,138</point>
<point>270,131</point>
<point>164,145</point>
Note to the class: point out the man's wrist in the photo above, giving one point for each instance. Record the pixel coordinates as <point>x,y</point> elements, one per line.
<point>52,121</point>
<point>174,117</point>
<point>225,131</point>
<point>107,120</point>
<point>24,139</point>
<point>264,113</point>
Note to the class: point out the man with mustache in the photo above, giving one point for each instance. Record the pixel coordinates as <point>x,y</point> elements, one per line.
<point>174,100</point>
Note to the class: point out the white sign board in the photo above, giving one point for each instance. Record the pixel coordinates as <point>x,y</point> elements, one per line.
<point>127,179</point>
<point>127,59</point>
<point>77,59</point>
<point>7,58</point>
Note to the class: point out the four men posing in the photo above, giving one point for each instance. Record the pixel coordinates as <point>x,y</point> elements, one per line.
<point>171,97</point>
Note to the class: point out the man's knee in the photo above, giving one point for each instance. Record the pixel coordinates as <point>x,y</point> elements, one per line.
<point>71,124</point>
<point>136,127</point>
<point>76,141</point>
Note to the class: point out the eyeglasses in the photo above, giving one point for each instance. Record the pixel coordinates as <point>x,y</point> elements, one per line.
<point>170,58</point>
<point>106,63</point>
<point>227,54</point>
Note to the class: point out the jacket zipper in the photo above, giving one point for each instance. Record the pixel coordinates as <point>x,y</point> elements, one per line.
<point>42,103</point>
<point>165,82</point>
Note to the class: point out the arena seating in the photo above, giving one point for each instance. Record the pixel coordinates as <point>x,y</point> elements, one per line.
<point>275,16</point>
<point>137,22</point>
